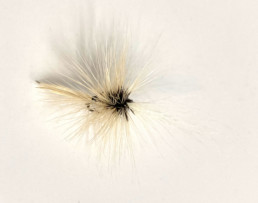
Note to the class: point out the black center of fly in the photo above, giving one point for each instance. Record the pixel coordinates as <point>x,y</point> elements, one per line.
<point>117,100</point>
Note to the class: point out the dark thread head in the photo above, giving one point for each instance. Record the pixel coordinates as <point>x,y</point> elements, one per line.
<point>117,100</point>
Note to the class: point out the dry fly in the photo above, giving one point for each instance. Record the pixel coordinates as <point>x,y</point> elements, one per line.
<point>101,81</point>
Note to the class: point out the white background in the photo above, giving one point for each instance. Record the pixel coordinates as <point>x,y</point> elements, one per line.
<point>210,48</point>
